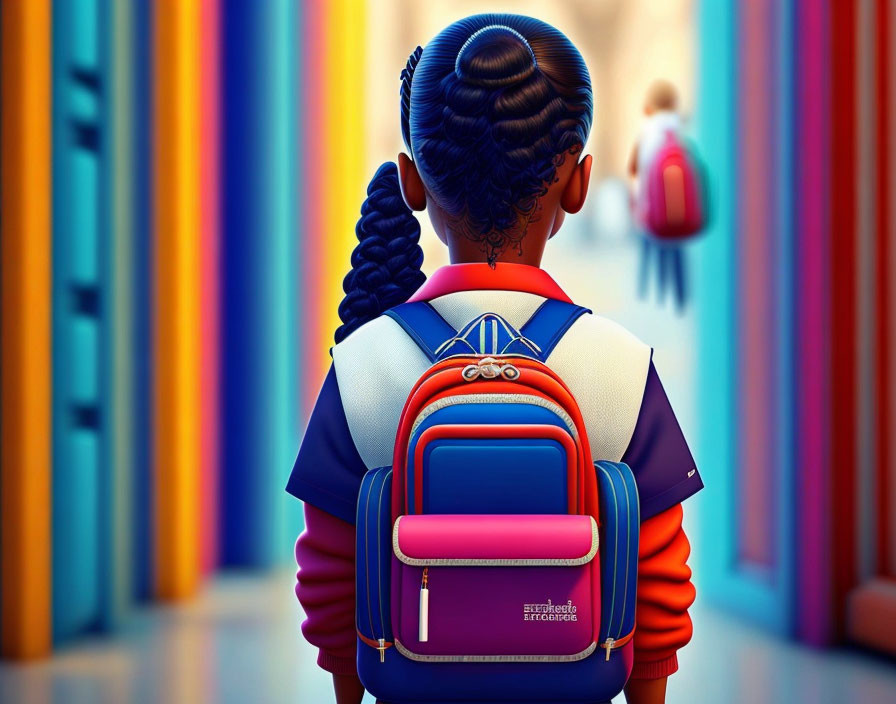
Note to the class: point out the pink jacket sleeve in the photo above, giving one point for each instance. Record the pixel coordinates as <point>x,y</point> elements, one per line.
<point>325,586</point>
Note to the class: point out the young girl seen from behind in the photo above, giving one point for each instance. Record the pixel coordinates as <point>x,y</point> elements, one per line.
<point>481,573</point>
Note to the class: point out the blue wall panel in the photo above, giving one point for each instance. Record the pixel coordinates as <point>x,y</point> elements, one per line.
<point>258,280</point>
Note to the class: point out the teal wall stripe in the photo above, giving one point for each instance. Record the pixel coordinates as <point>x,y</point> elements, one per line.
<point>713,285</point>
<point>77,299</point>
<point>283,292</point>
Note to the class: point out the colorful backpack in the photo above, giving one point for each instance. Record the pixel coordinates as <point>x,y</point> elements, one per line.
<point>675,206</point>
<point>495,561</point>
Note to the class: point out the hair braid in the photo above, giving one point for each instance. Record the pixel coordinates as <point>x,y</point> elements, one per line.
<point>407,77</point>
<point>386,261</point>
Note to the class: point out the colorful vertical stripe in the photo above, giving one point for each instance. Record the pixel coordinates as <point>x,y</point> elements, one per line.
<point>813,618</point>
<point>79,286</point>
<point>25,456</point>
<point>142,273</point>
<point>119,266</point>
<point>885,270</point>
<point>260,367</point>
<point>843,280</point>
<point>314,82</point>
<point>756,234</point>
<point>338,161</point>
<point>210,96</point>
<point>178,229</point>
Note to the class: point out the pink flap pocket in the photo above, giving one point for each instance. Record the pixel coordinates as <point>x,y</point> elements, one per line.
<point>495,588</point>
<point>495,540</point>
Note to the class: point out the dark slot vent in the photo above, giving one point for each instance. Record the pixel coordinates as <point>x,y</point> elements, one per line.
<point>86,299</point>
<point>86,416</point>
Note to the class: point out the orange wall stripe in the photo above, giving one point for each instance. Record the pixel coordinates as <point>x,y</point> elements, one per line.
<point>25,470</point>
<point>177,313</point>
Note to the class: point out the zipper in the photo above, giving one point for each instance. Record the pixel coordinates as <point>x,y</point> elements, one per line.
<point>627,551</point>
<point>379,570</point>
<point>367,554</point>
<point>611,644</point>
<point>381,644</point>
<point>615,564</point>
<point>423,635</point>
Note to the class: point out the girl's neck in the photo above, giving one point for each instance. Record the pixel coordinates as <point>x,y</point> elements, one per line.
<point>462,250</point>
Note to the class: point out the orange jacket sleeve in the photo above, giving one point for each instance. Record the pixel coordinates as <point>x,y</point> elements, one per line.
<point>665,593</point>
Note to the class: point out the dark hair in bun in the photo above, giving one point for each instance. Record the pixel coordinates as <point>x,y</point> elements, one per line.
<point>495,56</point>
<point>497,102</point>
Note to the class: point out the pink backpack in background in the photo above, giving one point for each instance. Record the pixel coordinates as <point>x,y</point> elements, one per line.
<point>675,206</point>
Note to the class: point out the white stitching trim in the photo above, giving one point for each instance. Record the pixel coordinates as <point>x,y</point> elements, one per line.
<point>494,658</point>
<point>495,398</point>
<point>497,562</point>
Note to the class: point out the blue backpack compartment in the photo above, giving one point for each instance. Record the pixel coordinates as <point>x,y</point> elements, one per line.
<point>491,475</point>
<point>620,517</point>
<point>373,551</point>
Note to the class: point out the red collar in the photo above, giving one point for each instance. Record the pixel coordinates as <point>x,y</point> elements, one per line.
<point>481,277</point>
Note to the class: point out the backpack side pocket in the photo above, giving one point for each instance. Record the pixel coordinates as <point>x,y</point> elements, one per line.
<point>619,531</point>
<point>373,560</point>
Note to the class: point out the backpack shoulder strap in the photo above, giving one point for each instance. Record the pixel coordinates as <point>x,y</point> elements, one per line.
<point>423,324</point>
<point>549,323</point>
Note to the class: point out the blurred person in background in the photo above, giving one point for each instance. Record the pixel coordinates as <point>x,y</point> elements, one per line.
<point>667,191</point>
<point>495,113</point>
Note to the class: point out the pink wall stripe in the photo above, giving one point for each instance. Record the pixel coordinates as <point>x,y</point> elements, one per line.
<point>757,281</point>
<point>210,164</point>
<point>312,234</point>
<point>813,391</point>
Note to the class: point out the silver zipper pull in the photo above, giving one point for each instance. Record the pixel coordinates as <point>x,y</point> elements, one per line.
<point>608,644</point>
<point>423,635</point>
<point>382,650</point>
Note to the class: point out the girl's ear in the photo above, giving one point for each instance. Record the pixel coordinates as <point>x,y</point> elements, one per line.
<point>573,197</point>
<point>412,189</point>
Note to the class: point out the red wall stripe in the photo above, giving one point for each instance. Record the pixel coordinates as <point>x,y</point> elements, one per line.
<point>813,617</point>
<point>843,325</point>
<point>884,283</point>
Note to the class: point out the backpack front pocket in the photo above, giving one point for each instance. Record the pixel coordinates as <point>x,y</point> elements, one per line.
<point>495,588</point>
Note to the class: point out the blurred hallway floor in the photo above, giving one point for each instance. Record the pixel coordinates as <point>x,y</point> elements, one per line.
<point>240,642</point>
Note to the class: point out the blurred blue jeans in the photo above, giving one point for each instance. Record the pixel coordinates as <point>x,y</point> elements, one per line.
<point>670,263</point>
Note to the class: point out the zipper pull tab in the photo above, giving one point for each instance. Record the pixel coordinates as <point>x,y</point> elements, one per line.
<point>423,635</point>
<point>608,644</point>
<point>382,649</point>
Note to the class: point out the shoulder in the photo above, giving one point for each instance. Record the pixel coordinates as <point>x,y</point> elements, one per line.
<point>593,333</point>
<point>605,367</point>
<point>376,367</point>
<point>362,345</point>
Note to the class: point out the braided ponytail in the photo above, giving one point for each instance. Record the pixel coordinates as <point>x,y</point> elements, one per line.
<point>386,261</point>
